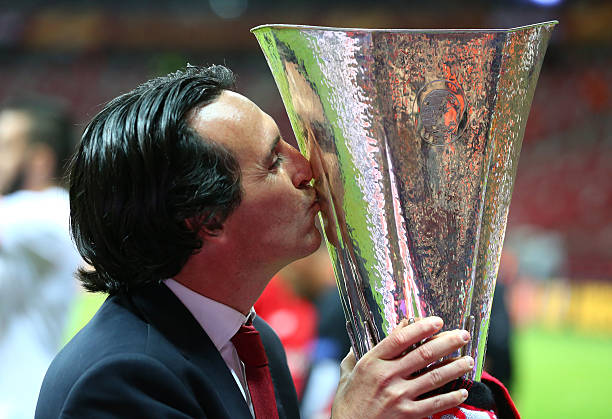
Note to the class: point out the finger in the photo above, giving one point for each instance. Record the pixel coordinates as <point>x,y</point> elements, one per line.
<point>442,334</point>
<point>439,403</point>
<point>433,350</point>
<point>437,377</point>
<point>404,336</point>
<point>439,363</point>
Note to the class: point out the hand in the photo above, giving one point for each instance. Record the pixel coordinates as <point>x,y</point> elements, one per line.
<point>387,382</point>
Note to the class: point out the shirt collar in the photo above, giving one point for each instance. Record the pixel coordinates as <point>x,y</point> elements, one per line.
<point>219,321</point>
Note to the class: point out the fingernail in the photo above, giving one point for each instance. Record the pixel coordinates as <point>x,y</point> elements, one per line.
<point>464,393</point>
<point>470,361</point>
<point>465,336</point>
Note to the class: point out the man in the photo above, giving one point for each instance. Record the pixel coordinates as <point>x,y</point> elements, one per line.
<point>185,200</point>
<point>37,257</point>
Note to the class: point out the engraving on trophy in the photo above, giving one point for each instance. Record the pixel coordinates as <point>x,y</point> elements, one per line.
<point>440,107</point>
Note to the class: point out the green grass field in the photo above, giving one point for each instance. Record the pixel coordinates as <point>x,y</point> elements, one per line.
<point>559,373</point>
<point>85,306</point>
<point>562,374</point>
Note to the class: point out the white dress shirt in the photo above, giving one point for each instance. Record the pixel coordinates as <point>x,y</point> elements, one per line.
<point>220,322</point>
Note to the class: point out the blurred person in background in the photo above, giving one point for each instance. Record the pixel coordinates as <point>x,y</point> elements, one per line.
<point>313,277</point>
<point>37,257</point>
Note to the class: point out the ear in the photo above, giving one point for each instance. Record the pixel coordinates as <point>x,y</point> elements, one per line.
<point>211,232</point>
<point>208,227</point>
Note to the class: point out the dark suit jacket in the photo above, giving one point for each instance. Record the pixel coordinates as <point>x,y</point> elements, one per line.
<point>144,355</point>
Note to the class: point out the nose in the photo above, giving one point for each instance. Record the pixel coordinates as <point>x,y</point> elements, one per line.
<point>301,172</point>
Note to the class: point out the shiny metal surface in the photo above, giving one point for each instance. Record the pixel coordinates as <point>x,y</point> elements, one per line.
<point>414,138</point>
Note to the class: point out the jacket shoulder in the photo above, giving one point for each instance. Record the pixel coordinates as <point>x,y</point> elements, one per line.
<point>113,338</point>
<point>127,384</point>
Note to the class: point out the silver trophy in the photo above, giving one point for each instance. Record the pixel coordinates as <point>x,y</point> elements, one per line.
<point>414,138</point>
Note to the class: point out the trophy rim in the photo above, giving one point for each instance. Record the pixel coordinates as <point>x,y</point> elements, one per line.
<point>366,30</point>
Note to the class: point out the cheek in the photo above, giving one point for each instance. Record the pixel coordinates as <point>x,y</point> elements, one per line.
<point>272,207</point>
<point>278,222</point>
<point>276,198</point>
<point>265,214</point>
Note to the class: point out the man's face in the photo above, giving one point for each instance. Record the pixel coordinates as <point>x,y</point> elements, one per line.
<point>274,223</point>
<point>14,128</point>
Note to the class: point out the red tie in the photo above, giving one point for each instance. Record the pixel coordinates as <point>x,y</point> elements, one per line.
<point>252,354</point>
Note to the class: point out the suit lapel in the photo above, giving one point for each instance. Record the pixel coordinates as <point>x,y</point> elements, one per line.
<point>165,312</point>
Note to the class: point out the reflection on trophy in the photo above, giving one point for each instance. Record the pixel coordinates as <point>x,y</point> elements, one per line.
<point>414,138</point>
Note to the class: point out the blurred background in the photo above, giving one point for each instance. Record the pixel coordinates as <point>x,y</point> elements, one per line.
<point>553,306</point>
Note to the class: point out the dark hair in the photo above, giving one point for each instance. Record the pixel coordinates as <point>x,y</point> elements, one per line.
<point>50,124</point>
<point>140,172</point>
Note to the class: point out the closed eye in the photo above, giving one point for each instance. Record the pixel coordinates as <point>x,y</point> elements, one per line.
<point>278,159</point>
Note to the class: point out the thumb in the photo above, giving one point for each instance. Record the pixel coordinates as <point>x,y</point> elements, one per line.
<point>348,363</point>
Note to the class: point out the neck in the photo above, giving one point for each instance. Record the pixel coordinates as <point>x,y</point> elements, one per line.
<point>232,281</point>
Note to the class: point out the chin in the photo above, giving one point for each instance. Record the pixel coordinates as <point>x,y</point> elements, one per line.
<point>314,240</point>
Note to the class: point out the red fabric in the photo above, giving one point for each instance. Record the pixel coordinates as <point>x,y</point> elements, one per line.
<point>294,320</point>
<point>252,353</point>
<point>505,405</point>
